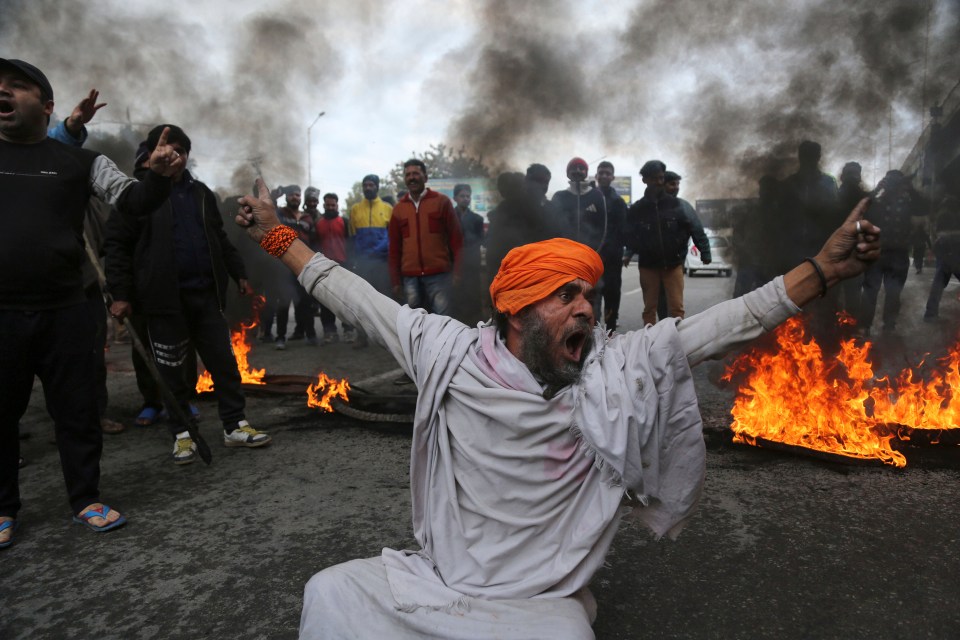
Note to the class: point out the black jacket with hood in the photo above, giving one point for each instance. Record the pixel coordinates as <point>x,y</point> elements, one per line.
<point>141,260</point>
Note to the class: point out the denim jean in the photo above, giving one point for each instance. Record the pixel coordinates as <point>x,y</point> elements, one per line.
<point>432,293</point>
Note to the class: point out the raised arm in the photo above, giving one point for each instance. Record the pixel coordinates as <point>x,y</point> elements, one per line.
<point>137,197</point>
<point>726,326</point>
<point>73,131</point>
<point>82,114</point>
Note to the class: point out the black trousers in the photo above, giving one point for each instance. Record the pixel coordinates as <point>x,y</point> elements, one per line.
<point>890,272</point>
<point>145,383</point>
<point>611,291</point>
<point>58,347</point>
<point>278,293</point>
<point>201,325</point>
<point>945,271</point>
<point>98,311</point>
<point>304,307</point>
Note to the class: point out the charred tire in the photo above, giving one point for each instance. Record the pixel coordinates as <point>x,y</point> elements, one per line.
<point>370,416</point>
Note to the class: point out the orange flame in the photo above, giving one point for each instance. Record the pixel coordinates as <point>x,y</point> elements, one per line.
<point>325,390</point>
<point>793,396</point>
<point>241,348</point>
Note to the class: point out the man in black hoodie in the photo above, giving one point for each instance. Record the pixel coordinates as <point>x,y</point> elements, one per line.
<point>658,230</point>
<point>172,266</point>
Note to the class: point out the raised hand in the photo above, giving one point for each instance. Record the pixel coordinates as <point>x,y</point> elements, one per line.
<point>166,160</point>
<point>258,214</point>
<point>84,112</point>
<point>850,249</point>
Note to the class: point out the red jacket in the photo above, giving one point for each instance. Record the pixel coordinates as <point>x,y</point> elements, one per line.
<point>424,241</point>
<point>332,238</point>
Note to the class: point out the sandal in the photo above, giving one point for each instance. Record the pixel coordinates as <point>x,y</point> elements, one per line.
<point>147,416</point>
<point>111,426</point>
<point>12,526</point>
<point>85,517</point>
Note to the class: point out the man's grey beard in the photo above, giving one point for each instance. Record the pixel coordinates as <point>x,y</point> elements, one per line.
<point>535,352</point>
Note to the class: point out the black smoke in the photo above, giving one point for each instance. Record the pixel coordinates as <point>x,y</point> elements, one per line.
<point>735,84</point>
<point>233,82</point>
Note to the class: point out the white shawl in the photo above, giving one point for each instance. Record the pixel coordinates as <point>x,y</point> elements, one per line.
<point>515,496</point>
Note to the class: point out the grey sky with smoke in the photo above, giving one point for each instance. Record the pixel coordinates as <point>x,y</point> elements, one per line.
<point>720,91</point>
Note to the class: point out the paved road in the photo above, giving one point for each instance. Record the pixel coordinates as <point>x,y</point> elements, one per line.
<point>782,547</point>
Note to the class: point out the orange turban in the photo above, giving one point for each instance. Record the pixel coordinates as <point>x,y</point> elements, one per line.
<point>532,272</point>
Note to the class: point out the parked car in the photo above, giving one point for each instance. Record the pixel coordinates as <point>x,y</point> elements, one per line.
<point>720,251</point>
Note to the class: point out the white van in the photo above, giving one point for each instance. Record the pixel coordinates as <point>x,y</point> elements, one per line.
<point>720,252</point>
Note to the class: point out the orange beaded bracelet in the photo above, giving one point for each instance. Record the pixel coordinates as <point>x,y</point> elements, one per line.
<point>278,240</point>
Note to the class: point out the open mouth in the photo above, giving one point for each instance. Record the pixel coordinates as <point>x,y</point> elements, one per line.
<point>6,107</point>
<point>573,344</point>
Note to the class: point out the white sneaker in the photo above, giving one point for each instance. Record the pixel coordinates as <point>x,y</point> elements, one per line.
<point>184,449</point>
<point>245,436</point>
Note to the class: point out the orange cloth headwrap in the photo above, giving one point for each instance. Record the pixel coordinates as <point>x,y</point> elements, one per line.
<point>532,272</point>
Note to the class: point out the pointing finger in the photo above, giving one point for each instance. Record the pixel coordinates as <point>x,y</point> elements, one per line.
<point>858,211</point>
<point>162,142</point>
<point>262,190</point>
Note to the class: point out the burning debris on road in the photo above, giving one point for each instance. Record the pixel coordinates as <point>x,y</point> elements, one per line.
<point>319,394</point>
<point>796,397</point>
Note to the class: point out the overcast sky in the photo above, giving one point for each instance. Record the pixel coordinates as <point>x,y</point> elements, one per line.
<point>720,91</point>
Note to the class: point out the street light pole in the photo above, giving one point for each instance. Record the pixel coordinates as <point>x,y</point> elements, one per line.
<point>310,150</point>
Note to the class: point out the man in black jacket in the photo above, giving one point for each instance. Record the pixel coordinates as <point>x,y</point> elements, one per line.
<point>468,297</point>
<point>671,184</point>
<point>611,251</point>
<point>849,193</point>
<point>48,330</point>
<point>898,209</point>
<point>524,215</point>
<point>658,230</point>
<point>583,215</point>
<point>172,266</point>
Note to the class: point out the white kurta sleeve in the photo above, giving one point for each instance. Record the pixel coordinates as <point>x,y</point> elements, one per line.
<point>353,300</point>
<point>726,326</point>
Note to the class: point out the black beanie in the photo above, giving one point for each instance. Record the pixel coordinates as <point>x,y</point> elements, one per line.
<point>176,135</point>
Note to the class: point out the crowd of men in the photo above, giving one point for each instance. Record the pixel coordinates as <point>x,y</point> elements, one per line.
<point>791,218</point>
<point>438,265</point>
<point>532,432</point>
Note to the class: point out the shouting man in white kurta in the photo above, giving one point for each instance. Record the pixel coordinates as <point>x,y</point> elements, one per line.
<point>533,435</point>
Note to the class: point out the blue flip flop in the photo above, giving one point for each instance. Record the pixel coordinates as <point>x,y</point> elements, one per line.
<point>147,416</point>
<point>8,524</point>
<point>84,519</point>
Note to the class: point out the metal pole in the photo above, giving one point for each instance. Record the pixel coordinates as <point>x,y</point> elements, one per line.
<point>310,150</point>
